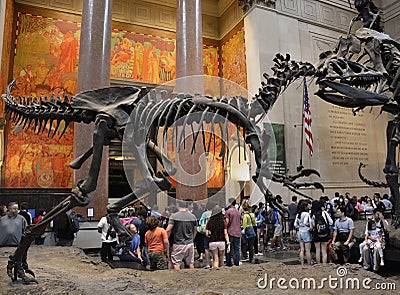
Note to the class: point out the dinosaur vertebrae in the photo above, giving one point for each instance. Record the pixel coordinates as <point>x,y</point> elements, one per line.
<point>44,113</point>
<point>285,72</point>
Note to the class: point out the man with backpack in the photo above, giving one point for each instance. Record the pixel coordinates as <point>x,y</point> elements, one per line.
<point>65,227</point>
<point>275,217</point>
<point>108,238</point>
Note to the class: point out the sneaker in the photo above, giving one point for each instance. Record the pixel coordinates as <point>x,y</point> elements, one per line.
<point>360,260</point>
<point>240,263</point>
<point>313,262</point>
<point>382,263</point>
<point>245,260</point>
<point>258,254</point>
<point>207,266</point>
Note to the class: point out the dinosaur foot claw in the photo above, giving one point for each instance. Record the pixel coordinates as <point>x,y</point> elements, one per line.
<point>390,169</point>
<point>17,270</point>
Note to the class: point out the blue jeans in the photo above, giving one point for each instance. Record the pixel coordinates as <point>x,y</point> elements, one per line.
<point>235,248</point>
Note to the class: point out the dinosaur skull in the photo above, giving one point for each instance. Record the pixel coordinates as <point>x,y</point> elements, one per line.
<point>350,84</point>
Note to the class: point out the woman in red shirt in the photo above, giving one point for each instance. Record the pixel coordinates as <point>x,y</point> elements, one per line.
<point>156,239</point>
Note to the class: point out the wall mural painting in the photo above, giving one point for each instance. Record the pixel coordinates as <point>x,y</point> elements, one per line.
<point>152,59</point>
<point>142,57</point>
<point>233,58</point>
<point>45,62</point>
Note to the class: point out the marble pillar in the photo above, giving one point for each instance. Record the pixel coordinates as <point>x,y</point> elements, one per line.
<point>189,40</point>
<point>93,72</point>
<point>191,175</point>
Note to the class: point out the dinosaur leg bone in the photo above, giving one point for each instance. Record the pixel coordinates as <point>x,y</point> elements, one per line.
<point>102,131</point>
<point>17,262</point>
<point>77,163</point>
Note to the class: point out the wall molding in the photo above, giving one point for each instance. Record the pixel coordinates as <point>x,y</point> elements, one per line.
<point>220,17</point>
<point>329,14</point>
<point>149,13</point>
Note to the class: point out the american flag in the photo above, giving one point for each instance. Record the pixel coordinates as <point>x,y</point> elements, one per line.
<point>307,119</point>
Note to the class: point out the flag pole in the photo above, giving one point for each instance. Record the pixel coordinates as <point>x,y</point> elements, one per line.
<point>300,167</point>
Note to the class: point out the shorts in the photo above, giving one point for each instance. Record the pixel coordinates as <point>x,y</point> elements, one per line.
<point>278,231</point>
<point>157,261</point>
<point>304,236</point>
<point>291,224</point>
<point>206,242</point>
<point>181,253</point>
<point>217,246</point>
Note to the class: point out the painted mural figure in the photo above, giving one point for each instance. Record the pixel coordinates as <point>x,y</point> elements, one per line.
<point>41,74</point>
<point>27,75</point>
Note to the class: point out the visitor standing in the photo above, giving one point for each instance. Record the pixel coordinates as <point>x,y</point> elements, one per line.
<point>64,234</point>
<point>204,218</point>
<point>184,226</point>
<point>292,208</point>
<point>304,223</point>
<point>108,238</point>
<point>156,240</point>
<point>12,226</point>
<point>321,231</point>
<point>218,234</point>
<point>25,213</point>
<point>233,223</point>
<point>249,221</point>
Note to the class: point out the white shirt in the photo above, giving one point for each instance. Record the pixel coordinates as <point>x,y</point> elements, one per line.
<point>103,224</point>
<point>304,223</point>
<point>388,204</point>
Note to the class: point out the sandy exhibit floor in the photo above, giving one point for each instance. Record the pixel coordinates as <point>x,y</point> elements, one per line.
<point>68,270</point>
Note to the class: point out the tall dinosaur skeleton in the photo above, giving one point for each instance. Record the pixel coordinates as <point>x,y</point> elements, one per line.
<point>136,116</point>
<point>347,76</point>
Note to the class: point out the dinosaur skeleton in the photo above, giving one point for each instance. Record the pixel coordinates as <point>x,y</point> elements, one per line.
<point>347,76</point>
<point>114,110</point>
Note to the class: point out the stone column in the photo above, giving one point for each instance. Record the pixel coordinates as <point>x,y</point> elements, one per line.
<point>93,72</point>
<point>189,39</point>
<point>189,62</point>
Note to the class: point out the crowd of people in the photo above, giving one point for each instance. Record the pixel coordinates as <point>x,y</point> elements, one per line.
<point>231,235</point>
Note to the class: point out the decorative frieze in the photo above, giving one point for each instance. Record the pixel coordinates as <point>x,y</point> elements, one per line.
<point>317,12</point>
<point>247,4</point>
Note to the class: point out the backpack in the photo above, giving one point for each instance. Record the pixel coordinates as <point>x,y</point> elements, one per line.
<point>73,221</point>
<point>202,224</point>
<point>321,227</point>
<point>271,216</point>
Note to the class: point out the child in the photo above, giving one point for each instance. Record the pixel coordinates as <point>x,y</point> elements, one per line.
<point>373,239</point>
